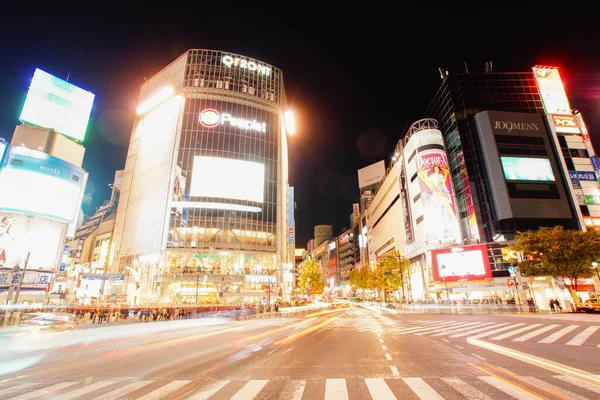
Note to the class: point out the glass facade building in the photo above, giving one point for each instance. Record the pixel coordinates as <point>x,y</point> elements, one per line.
<point>203,212</point>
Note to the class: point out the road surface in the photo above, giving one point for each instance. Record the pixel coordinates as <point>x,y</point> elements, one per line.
<point>358,352</point>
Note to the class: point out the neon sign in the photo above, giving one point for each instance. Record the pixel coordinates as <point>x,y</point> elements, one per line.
<point>211,118</point>
<point>247,64</point>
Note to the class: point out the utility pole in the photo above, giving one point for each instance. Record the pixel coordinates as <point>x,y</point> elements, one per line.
<point>22,278</point>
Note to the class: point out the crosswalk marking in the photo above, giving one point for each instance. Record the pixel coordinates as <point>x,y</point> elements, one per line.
<point>450,332</point>
<point>479,330</point>
<point>577,382</point>
<point>535,333</point>
<point>87,389</point>
<point>335,389</point>
<point>422,389</point>
<point>436,330</point>
<point>17,388</point>
<point>507,388</point>
<point>416,328</point>
<point>493,332</point>
<point>122,391</point>
<point>583,336</point>
<point>557,335</point>
<point>250,390</point>
<point>429,328</point>
<point>163,391</point>
<point>556,389</point>
<point>516,332</point>
<point>395,371</point>
<point>464,388</point>
<point>47,391</point>
<point>379,389</point>
<point>292,390</point>
<point>209,391</point>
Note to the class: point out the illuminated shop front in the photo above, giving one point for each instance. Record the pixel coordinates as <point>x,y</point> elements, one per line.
<point>206,220</point>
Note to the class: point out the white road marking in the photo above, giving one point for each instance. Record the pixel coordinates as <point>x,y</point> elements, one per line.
<point>388,357</point>
<point>165,390</point>
<point>380,340</point>
<point>12,389</point>
<point>451,331</point>
<point>479,330</point>
<point>250,390</point>
<point>516,332</point>
<point>557,335</point>
<point>460,347</point>
<point>576,382</point>
<point>384,347</point>
<point>429,328</point>
<point>292,390</point>
<point>379,335</point>
<point>209,390</point>
<point>335,389</point>
<point>422,389</point>
<point>437,331</point>
<point>394,370</point>
<point>379,389</point>
<point>478,356</point>
<point>556,389</point>
<point>86,389</point>
<point>465,389</point>
<point>47,391</point>
<point>123,390</point>
<point>490,333</point>
<point>583,336</point>
<point>535,333</point>
<point>507,388</point>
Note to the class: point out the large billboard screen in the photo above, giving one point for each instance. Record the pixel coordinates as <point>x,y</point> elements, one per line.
<point>527,169</point>
<point>371,174</point>
<point>226,178</point>
<point>3,146</point>
<point>56,104</point>
<point>467,262</point>
<point>552,90</point>
<point>53,188</point>
<point>439,210</point>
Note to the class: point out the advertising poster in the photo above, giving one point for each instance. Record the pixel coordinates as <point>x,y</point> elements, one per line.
<point>291,221</point>
<point>458,263</point>
<point>179,188</point>
<point>32,280</point>
<point>596,165</point>
<point>409,237</point>
<point>474,230</point>
<point>439,210</point>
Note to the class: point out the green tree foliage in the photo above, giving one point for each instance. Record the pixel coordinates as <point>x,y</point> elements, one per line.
<point>558,252</point>
<point>310,274</point>
<point>391,270</point>
<point>361,278</point>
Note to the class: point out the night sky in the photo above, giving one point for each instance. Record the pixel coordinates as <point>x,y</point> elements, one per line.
<point>357,78</point>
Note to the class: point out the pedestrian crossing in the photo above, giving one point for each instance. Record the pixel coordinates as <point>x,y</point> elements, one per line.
<point>429,388</point>
<point>569,335</point>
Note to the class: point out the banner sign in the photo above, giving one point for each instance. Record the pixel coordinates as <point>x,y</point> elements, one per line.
<point>104,277</point>
<point>583,175</point>
<point>32,280</point>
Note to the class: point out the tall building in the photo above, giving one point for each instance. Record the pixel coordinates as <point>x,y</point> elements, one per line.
<point>203,213</point>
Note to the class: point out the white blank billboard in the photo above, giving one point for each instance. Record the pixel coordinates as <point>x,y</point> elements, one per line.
<point>371,175</point>
<point>461,264</point>
<point>226,178</point>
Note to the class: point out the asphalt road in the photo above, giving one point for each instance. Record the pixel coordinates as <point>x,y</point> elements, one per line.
<point>360,352</point>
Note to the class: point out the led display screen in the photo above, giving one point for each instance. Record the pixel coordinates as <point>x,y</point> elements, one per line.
<point>527,169</point>
<point>56,104</point>
<point>227,178</point>
<point>2,150</point>
<point>468,262</point>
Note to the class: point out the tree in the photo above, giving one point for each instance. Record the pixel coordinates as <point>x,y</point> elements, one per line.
<point>361,278</point>
<point>310,275</point>
<point>390,271</point>
<point>558,252</point>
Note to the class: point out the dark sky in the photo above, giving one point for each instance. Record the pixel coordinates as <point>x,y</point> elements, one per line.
<point>357,77</point>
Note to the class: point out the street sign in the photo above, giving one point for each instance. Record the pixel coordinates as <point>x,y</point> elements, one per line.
<point>512,271</point>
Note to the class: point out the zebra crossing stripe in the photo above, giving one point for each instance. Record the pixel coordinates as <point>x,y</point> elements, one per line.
<point>513,333</point>
<point>479,330</point>
<point>122,391</point>
<point>379,389</point>
<point>45,391</point>
<point>507,388</point>
<point>557,335</point>
<point>87,389</point>
<point>164,390</point>
<point>583,336</point>
<point>335,389</point>
<point>470,324</point>
<point>465,389</point>
<point>493,332</point>
<point>17,388</point>
<point>535,333</point>
<point>430,327</point>
<point>556,389</point>
<point>209,391</point>
<point>250,390</point>
<point>422,389</point>
<point>577,382</point>
<point>451,331</point>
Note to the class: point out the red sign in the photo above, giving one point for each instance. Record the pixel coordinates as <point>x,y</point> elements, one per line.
<point>461,262</point>
<point>210,118</point>
<point>565,123</point>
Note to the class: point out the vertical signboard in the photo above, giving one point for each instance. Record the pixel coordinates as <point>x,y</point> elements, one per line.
<point>356,211</point>
<point>552,90</point>
<point>596,166</point>
<point>577,187</point>
<point>292,221</point>
<point>439,210</point>
<point>472,217</point>
<point>408,230</point>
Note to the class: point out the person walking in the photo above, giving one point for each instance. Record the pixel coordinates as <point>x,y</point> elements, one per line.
<point>552,309</point>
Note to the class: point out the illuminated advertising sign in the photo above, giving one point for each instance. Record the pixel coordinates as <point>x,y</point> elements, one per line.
<point>56,104</point>
<point>596,166</point>
<point>211,118</point>
<point>408,230</point>
<point>371,174</point>
<point>33,280</point>
<point>552,90</point>
<point>226,178</point>
<point>179,188</point>
<point>527,169</point>
<point>53,187</point>
<point>473,229</point>
<point>246,64</point>
<point>582,127</point>
<point>3,146</point>
<point>439,209</point>
<point>565,123</point>
<point>456,263</point>
<point>291,220</point>
<point>583,175</point>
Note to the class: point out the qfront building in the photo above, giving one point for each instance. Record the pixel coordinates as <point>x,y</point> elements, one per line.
<point>203,210</point>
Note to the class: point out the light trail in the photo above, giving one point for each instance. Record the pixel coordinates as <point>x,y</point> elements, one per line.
<point>272,331</point>
<point>316,314</point>
<point>304,332</point>
<point>515,376</point>
<point>508,381</point>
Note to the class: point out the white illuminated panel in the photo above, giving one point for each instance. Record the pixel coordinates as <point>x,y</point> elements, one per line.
<point>218,206</point>
<point>226,178</point>
<point>552,90</point>
<point>41,194</point>
<point>463,263</point>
